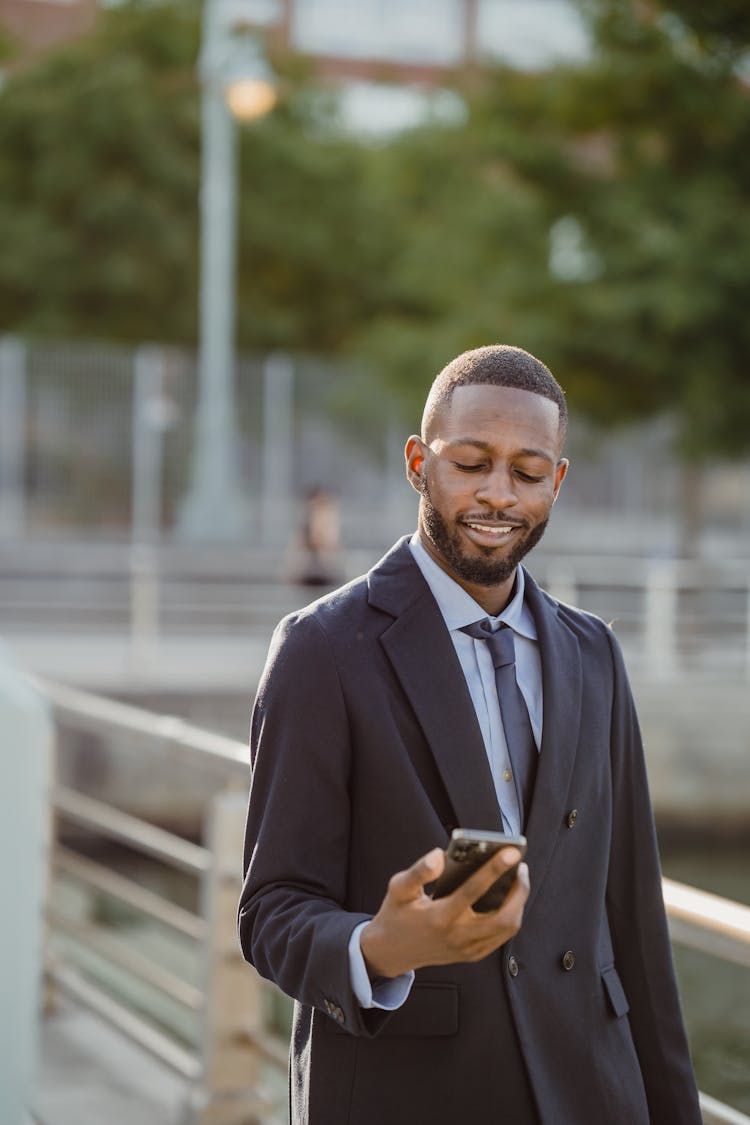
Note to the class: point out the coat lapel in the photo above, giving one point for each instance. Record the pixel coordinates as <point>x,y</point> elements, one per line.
<point>562,682</point>
<point>420,649</point>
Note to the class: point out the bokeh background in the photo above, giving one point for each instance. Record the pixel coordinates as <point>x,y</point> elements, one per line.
<point>219,318</point>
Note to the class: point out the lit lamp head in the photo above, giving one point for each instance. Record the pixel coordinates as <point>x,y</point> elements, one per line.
<point>250,98</point>
<point>249,83</point>
<point>232,63</point>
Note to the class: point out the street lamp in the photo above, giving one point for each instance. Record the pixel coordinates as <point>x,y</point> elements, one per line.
<point>235,78</point>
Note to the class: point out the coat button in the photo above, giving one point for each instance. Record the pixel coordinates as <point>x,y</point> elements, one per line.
<point>513,967</point>
<point>569,960</point>
<point>572,817</point>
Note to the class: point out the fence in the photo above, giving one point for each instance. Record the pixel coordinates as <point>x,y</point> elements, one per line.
<point>235,1060</point>
<point>188,997</point>
<point>673,617</point>
<point>99,439</point>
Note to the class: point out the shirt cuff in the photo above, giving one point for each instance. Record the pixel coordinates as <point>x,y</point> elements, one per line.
<point>387,994</point>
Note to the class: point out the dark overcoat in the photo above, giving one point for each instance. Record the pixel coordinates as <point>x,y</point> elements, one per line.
<point>366,753</point>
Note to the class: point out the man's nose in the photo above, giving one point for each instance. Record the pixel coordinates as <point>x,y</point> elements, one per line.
<point>497,488</point>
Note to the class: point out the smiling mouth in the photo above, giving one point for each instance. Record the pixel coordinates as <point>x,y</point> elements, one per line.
<point>498,530</point>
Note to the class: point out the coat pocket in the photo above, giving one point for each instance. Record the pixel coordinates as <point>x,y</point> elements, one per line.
<point>615,992</point>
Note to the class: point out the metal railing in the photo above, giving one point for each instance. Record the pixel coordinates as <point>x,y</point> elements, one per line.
<point>236,1054</point>
<point>675,615</point>
<point>672,616</point>
<point>212,1030</point>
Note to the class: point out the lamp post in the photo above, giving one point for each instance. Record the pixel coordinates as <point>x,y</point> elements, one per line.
<point>235,78</point>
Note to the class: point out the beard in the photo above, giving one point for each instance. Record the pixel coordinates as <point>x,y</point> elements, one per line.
<point>484,569</point>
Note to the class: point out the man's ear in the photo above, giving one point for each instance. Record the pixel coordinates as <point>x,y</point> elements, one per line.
<point>415,461</point>
<point>560,474</point>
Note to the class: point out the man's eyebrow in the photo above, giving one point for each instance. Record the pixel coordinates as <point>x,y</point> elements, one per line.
<point>486,447</point>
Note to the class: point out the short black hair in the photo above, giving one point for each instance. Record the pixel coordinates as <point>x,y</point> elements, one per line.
<point>497,365</point>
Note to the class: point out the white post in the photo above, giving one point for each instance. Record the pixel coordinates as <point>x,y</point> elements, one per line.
<point>661,618</point>
<point>214,508</point>
<point>148,425</point>
<point>231,1091</point>
<point>277,501</point>
<point>12,437</point>
<point>25,763</point>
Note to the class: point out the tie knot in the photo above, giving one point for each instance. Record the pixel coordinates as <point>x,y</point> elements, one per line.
<point>500,641</point>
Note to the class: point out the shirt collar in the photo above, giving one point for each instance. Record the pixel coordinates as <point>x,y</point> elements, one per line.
<point>459,608</point>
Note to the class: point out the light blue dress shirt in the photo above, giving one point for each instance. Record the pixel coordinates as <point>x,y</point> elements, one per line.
<point>459,609</point>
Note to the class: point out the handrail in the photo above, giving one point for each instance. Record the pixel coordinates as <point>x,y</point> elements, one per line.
<point>119,953</point>
<point>146,838</point>
<point>90,711</point>
<point>111,883</point>
<point>708,922</point>
<point>178,1059</point>
<point>716,1113</point>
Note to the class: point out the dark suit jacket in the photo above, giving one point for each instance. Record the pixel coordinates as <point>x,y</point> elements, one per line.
<point>366,753</point>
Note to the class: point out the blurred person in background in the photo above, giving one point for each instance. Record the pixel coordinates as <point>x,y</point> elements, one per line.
<point>385,719</point>
<point>320,538</point>
<point>312,557</point>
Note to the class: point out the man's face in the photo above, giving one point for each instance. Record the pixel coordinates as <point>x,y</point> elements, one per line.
<point>488,473</point>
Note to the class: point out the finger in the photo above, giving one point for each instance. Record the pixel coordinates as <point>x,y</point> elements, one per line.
<point>407,885</point>
<point>519,892</point>
<point>510,912</point>
<point>495,927</point>
<point>482,879</point>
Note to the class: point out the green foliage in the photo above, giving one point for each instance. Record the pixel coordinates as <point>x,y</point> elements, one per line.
<point>471,216</point>
<point>99,196</point>
<point>98,178</point>
<point>666,213</point>
<point>646,147</point>
<point>312,241</point>
<point>401,254</point>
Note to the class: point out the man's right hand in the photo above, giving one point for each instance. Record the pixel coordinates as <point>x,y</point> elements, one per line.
<point>411,930</point>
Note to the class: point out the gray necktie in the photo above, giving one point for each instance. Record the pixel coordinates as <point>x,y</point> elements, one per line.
<point>513,711</point>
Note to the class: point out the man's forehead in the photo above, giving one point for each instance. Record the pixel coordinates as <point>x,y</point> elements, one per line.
<point>480,412</point>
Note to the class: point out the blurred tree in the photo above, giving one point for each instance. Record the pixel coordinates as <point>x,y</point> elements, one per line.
<point>598,215</point>
<point>315,241</point>
<point>663,115</point>
<point>99,180</point>
<point>471,208</point>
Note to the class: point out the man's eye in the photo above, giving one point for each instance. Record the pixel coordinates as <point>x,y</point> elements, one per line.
<point>528,477</point>
<point>468,468</point>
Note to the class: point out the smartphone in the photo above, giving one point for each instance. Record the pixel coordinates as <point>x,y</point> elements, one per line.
<point>468,849</point>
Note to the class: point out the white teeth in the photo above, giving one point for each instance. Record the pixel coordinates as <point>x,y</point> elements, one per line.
<point>490,530</point>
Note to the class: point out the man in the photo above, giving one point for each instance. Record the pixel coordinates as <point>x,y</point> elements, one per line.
<point>378,728</point>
